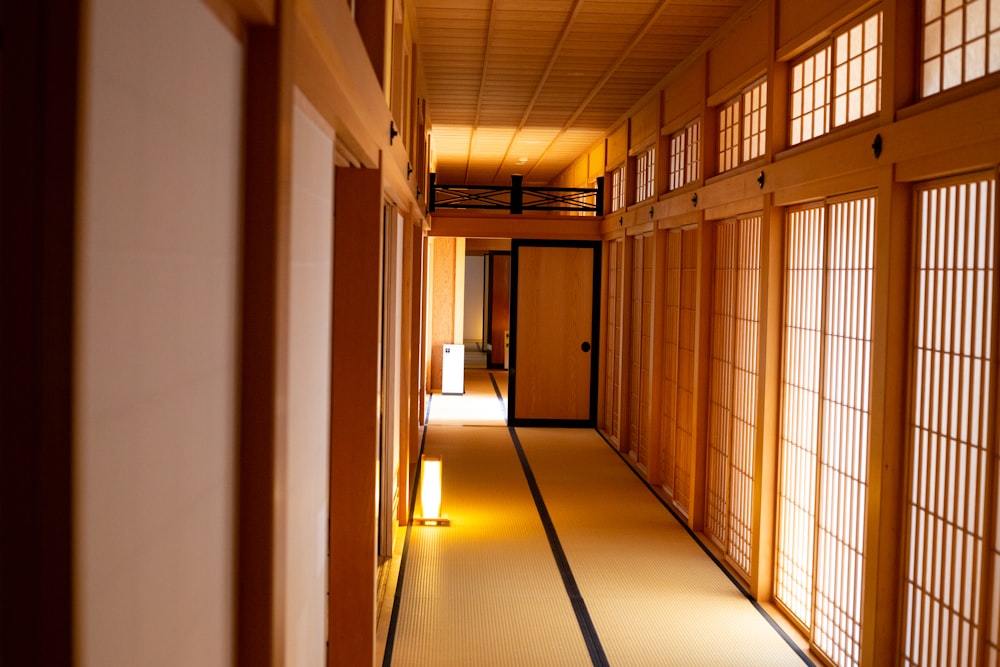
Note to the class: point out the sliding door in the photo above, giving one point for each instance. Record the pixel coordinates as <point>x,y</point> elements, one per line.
<point>554,306</point>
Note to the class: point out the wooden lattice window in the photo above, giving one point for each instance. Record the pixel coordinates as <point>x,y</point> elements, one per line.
<point>952,607</point>
<point>823,445</point>
<point>732,419</point>
<point>618,188</point>
<point>645,174</point>
<point>857,71</point>
<point>729,135</point>
<point>961,42</point>
<point>684,147</point>
<point>754,123</point>
<point>810,96</point>
<point>838,82</point>
<point>742,127</point>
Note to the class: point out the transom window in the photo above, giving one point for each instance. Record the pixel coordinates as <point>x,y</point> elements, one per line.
<point>961,42</point>
<point>839,82</point>
<point>645,174</point>
<point>618,188</point>
<point>684,147</point>
<point>742,127</point>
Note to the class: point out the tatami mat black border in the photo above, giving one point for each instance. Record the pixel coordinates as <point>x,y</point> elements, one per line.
<point>729,575</point>
<point>590,638</point>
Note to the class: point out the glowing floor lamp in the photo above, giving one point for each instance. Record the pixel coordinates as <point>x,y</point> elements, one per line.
<point>430,492</point>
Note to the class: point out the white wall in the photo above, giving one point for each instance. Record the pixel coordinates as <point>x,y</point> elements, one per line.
<point>307,485</point>
<point>156,321</point>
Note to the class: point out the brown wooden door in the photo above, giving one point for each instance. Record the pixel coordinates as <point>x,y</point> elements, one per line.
<point>553,346</point>
<point>499,306</point>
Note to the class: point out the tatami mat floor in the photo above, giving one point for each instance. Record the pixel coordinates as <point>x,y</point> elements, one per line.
<point>557,554</point>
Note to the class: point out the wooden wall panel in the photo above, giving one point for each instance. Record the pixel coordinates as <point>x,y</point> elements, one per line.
<point>595,162</point>
<point>684,96</point>
<point>741,57</point>
<point>580,174</point>
<point>443,304</point>
<point>801,22</point>
<point>618,146</point>
<point>645,126</point>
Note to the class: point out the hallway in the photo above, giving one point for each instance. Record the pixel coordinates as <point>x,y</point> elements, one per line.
<point>558,554</point>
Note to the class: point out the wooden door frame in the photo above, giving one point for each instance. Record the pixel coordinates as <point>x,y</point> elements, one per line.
<point>490,288</point>
<point>591,420</point>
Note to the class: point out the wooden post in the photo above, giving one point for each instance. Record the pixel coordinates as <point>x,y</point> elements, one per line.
<point>264,361</point>
<point>354,432</point>
<point>37,238</point>
<point>890,397</point>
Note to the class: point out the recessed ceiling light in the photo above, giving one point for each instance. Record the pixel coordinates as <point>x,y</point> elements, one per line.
<point>522,160</point>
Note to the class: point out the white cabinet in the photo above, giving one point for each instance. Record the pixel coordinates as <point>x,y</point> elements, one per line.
<point>453,370</point>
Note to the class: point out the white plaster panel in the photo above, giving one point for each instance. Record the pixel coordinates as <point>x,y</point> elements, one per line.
<point>157,311</point>
<point>310,287</point>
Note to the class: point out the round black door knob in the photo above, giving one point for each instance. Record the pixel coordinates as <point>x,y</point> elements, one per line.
<point>585,347</point>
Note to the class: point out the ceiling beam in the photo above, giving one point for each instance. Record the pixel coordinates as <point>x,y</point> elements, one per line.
<point>482,84</point>
<point>633,42</point>
<point>567,25</point>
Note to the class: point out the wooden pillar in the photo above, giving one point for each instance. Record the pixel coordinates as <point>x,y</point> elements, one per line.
<point>769,317</point>
<point>264,357</point>
<point>407,350</point>
<point>418,362</point>
<point>373,18</point>
<point>354,430</point>
<point>890,397</point>
<point>37,231</point>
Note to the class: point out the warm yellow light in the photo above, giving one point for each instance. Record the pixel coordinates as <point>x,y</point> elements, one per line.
<point>430,487</point>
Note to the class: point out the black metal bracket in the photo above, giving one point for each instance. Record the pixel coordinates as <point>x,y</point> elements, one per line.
<point>694,199</point>
<point>409,171</point>
<point>877,146</point>
<point>393,132</point>
<point>760,180</point>
<point>651,211</point>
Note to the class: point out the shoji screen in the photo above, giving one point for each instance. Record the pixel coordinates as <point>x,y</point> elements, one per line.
<point>823,471</point>
<point>800,412</point>
<point>613,339</point>
<point>640,383</point>
<point>733,389</point>
<point>671,325</point>
<point>677,424</point>
<point>952,611</point>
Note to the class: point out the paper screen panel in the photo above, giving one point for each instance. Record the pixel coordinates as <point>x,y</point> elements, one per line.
<point>950,429</point>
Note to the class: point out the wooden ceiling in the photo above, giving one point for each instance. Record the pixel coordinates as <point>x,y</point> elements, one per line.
<point>527,86</point>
